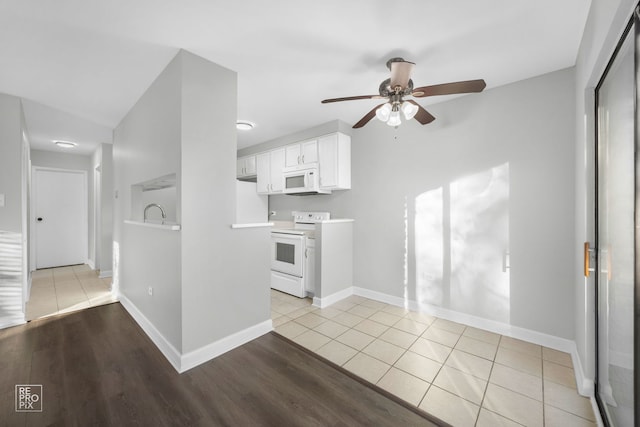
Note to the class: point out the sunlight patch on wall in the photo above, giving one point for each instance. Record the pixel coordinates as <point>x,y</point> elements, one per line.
<point>462,245</point>
<point>429,247</point>
<point>479,244</point>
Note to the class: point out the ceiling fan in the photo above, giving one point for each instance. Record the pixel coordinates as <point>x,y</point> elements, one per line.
<point>400,85</point>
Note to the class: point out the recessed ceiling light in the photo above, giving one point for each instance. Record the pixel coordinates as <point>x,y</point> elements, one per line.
<point>65,144</point>
<point>245,125</point>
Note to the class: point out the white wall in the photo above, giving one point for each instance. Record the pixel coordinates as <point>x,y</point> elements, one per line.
<point>605,24</point>
<point>225,272</point>
<point>10,164</point>
<point>146,146</point>
<point>103,159</point>
<point>12,230</point>
<point>494,171</point>
<point>204,288</point>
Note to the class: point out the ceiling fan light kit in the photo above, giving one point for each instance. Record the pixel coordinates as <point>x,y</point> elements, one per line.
<point>399,85</point>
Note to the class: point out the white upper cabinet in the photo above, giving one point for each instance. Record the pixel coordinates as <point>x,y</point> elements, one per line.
<point>334,155</point>
<point>269,167</point>
<point>263,169</point>
<point>277,165</point>
<point>246,167</point>
<point>331,154</point>
<point>301,153</point>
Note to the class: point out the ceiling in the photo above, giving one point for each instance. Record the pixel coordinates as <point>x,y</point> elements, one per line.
<point>81,65</point>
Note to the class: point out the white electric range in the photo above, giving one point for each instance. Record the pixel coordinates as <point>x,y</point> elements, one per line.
<point>293,254</point>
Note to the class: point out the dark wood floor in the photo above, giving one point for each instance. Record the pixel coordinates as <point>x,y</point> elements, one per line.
<point>97,367</point>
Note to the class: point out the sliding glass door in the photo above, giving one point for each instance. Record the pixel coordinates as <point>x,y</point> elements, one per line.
<point>617,121</point>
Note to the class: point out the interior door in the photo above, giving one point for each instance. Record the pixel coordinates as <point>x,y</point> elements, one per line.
<point>615,237</point>
<point>60,217</point>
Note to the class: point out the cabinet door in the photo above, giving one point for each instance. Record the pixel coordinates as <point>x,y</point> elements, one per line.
<point>310,269</point>
<point>292,155</point>
<point>250,165</point>
<point>240,167</point>
<point>328,154</point>
<point>263,170</point>
<point>277,164</point>
<point>309,151</point>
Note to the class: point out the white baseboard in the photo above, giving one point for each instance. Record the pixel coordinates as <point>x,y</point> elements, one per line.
<point>91,264</point>
<point>215,349</point>
<point>596,412</point>
<point>165,347</point>
<point>501,328</point>
<point>105,274</point>
<point>333,298</point>
<point>584,384</point>
<point>183,362</point>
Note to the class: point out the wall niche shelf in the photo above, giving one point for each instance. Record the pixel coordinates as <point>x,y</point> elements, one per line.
<point>160,196</point>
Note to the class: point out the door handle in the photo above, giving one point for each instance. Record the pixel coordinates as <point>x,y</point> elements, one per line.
<point>587,259</point>
<point>506,261</point>
<point>39,219</point>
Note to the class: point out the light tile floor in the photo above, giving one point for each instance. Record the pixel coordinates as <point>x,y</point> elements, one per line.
<point>65,289</point>
<point>463,375</point>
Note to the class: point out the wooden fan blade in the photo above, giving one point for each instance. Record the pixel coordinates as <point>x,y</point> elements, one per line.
<point>367,117</point>
<point>350,98</point>
<point>423,116</point>
<point>401,73</point>
<point>467,86</point>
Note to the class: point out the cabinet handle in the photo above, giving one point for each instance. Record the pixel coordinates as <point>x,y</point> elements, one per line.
<point>306,253</point>
<point>303,158</point>
<point>298,159</point>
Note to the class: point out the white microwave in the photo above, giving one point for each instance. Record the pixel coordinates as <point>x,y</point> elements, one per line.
<point>303,181</point>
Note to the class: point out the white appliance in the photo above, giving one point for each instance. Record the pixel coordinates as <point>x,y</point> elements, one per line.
<point>302,181</point>
<point>290,263</point>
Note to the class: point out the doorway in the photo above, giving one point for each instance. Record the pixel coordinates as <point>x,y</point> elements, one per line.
<point>616,387</point>
<point>60,224</point>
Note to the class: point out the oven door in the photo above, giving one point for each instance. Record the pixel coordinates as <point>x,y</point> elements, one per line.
<point>287,253</point>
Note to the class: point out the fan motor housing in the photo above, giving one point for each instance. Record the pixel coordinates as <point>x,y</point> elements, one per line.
<point>386,90</point>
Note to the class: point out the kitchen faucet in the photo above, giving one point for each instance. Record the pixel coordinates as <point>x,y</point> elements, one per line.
<point>151,205</point>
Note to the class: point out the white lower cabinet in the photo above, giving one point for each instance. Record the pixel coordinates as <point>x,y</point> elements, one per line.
<point>310,267</point>
<point>269,167</point>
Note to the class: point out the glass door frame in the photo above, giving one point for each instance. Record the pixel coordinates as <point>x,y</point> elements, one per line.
<point>635,19</point>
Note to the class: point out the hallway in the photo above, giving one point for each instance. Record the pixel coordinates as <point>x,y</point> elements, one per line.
<point>66,289</point>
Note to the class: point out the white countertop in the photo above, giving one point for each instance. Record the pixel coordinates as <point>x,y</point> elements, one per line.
<point>171,226</point>
<point>253,225</point>
<point>337,221</point>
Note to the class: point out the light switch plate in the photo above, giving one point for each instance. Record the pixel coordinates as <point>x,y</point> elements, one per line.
<point>1,200</point>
